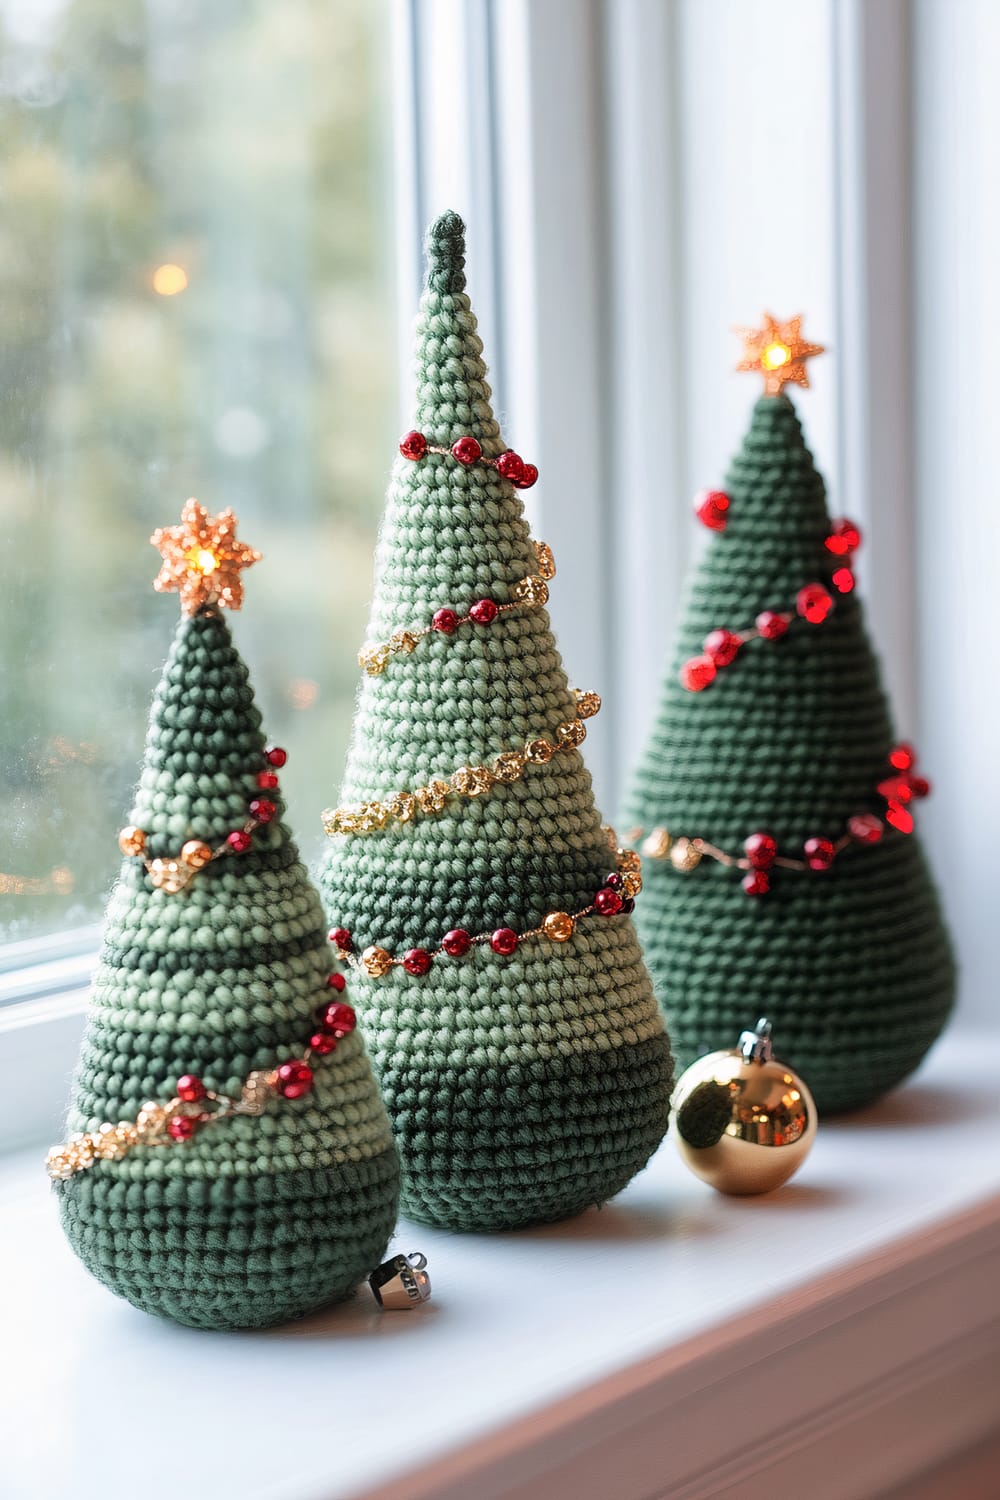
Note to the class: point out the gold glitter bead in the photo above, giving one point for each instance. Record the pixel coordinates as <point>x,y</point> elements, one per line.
<point>571,734</point>
<point>559,926</point>
<point>631,886</point>
<point>539,752</point>
<point>531,590</point>
<point>481,781</point>
<point>257,1091</point>
<point>587,705</point>
<point>402,806</point>
<point>107,1145</point>
<point>59,1164</point>
<point>546,561</point>
<point>684,856</point>
<point>402,642</point>
<point>657,844</point>
<point>374,660</point>
<point>151,1118</point>
<point>81,1150</point>
<point>131,840</point>
<point>509,765</point>
<point>127,1133</point>
<point>196,854</point>
<point>370,816</point>
<point>461,781</point>
<point>432,797</point>
<point>629,862</point>
<point>169,875</point>
<point>376,961</point>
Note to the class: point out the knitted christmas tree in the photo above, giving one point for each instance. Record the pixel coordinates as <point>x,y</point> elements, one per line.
<point>233,1164</point>
<point>501,987</point>
<point>773,755</point>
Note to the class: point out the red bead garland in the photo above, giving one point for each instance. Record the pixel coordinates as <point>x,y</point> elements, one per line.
<point>761,850</point>
<point>457,942</point>
<point>710,506</point>
<point>483,612</point>
<point>504,941</point>
<point>444,620</point>
<point>467,451</point>
<point>771,624</point>
<point>813,603</point>
<point>698,673</point>
<point>844,538</point>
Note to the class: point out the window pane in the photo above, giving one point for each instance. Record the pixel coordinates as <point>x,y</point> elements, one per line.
<point>194,262</point>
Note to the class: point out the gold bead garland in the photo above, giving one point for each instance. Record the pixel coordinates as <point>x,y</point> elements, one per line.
<point>181,1117</point>
<point>467,781</point>
<point>531,590</point>
<point>615,896</point>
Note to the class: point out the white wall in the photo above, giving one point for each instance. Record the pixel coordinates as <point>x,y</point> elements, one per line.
<point>639,175</point>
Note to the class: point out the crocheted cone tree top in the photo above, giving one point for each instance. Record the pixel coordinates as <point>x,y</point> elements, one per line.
<point>774,803</point>
<point>232,1164</point>
<point>500,983</point>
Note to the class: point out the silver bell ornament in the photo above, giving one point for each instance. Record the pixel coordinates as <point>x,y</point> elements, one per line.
<point>743,1121</point>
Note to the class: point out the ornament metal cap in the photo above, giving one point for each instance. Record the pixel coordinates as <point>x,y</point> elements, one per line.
<point>402,1282</point>
<point>755,1046</point>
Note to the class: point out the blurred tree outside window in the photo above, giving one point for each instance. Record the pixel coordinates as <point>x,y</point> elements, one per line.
<point>195,262</point>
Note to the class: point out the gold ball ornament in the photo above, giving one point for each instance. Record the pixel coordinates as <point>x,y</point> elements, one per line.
<point>743,1122</point>
<point>196,854</point>
<point>131,840</point>
<point>559,926</point>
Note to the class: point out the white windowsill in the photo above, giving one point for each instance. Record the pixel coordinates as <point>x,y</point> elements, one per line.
<point>842,1334</point>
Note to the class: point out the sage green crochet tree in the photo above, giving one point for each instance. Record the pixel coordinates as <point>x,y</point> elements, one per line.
<point>527,1073</point>
<point>773,744</point>
<point>216,970</point>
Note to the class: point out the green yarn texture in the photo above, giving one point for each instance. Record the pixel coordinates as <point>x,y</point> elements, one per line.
<point>853,966</point>
<point>521,1089</point>
<point>258,1219</point>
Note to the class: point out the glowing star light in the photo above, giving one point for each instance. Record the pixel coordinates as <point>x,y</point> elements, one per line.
<point>203,559</point>
<point>779,352</point>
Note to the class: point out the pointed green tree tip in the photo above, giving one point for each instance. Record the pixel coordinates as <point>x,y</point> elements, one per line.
<point>445,247</point>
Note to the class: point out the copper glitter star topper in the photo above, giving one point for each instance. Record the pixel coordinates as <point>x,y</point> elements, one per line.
<point>779,352</point>
<point>203,559</point>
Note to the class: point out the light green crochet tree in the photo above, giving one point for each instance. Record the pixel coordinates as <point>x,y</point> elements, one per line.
<point>215,980</point>
<point>501,987</point>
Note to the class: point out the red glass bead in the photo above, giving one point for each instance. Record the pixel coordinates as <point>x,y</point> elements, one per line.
<point>337,1016</point>
<point>722,646</point>
<point>529,476</point>
<point>337,982</point>
<point>262,809</point>
<point>607,902</point>
<point>483,612</point>
<point>267,781</point>
<point>323,1042</point>
<point>413,445</point>
<point>613,881</point>
<point>710,507</point>
<point>445,620</point>
<point>899,817</point>
<point>504,941</point>
<point>844,538</point>
<point>294,1079</point>
<point>757,883</point>
<point>239,841</point>
<point>865,828</point>
<point>761,850</point>
<point>920,786</point>
<point>416,961</point>
<point>771,625</point>
<point>466,450</point>
<point>275,756</point>
<point>819,853</point>
<point>902,757</point>
<point>190,1088</point>
<point>456,942</point>
<point>843,580</point>
<point>813,603</point>
<point>341,938</point>
<point>895,789</point>
<point>697,673</point>
<point>182,1127</point>
<point>628,907</point>
<point>510,465</point>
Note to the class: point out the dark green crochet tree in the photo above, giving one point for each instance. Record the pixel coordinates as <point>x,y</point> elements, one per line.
<point>257,1218</point>
<point>786,732</point>
<point>527,1087</point>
